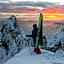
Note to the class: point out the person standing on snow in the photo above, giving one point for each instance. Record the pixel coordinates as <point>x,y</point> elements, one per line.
<point>34,35</point>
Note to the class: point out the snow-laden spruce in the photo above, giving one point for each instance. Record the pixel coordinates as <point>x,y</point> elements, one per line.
<point>55,42</point>
<point>12,38</point>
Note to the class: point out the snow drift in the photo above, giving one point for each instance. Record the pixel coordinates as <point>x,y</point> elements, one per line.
<point>46,57</point>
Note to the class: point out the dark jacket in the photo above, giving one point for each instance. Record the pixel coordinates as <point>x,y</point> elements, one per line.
<point>34,32</point>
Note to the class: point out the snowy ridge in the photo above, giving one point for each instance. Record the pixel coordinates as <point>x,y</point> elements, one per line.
<point>45,58</point>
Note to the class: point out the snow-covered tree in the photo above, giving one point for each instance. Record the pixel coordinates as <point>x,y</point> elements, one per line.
<point>12,38</point>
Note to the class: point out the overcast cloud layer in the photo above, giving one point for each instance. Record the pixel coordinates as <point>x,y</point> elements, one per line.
<point>10,6</point>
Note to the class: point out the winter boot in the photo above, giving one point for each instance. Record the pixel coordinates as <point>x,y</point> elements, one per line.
<point>37,50</point>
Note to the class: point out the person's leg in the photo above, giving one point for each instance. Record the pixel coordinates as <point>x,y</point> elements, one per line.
<point>38,44</point>
<point>37,50</point>
<point>34,41</point>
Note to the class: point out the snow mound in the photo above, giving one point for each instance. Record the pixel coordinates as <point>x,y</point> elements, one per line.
<point>25,52</point>
<point>24,57</point>
<point>60,53</point>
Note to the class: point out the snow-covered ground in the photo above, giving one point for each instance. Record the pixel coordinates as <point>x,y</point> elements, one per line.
<point>47,57</point>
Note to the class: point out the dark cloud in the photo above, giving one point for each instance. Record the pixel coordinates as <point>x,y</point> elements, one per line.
<point>28,3</point>
<point>4,0</point>
<point>59,23</point>
<point>19,5</point>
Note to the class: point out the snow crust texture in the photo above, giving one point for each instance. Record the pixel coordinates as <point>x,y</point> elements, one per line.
<point>47,57</point>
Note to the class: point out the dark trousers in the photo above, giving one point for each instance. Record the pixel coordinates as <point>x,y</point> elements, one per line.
<point>34,41</point>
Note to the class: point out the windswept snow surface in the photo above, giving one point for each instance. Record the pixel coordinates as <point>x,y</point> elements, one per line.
<point>29,57</point>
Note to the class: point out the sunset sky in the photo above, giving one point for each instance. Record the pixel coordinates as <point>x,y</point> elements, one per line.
<point>29,10</point>
<point>51,9</point>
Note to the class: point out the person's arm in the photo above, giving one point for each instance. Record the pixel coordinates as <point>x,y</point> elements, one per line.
<point>28,35</point>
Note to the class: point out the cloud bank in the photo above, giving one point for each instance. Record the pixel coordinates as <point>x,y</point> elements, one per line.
<point>9,6</point>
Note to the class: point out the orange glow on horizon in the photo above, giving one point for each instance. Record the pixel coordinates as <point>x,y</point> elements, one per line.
<point>35,16</point>
<point>53,16</point>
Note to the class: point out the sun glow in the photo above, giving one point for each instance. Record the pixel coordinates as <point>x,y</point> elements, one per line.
<point>51,15</point>
<point>35,16</point>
